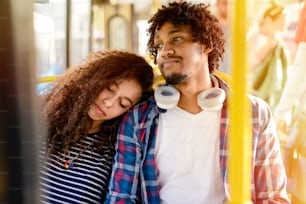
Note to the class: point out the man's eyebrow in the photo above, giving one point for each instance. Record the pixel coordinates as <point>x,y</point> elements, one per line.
<point>175,30</point>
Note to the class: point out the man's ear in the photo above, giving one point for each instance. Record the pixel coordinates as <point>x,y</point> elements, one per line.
<point>208,50</point>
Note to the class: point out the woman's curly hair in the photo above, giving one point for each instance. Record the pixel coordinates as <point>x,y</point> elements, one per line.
<point>206,28</point>
<point>66,105</point>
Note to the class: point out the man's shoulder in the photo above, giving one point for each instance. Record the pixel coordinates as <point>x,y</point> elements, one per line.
<point>259,108</point>
<point>145,106</point>
<point>256,101</point>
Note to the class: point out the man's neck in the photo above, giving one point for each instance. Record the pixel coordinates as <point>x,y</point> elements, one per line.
<point>189,94</point>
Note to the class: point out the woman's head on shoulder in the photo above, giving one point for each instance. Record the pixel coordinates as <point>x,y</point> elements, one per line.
<point>118,78</point>
<point>100,70</point>
<point>112,66</point>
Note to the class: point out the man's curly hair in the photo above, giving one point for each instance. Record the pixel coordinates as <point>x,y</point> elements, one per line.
<point>206,28</point>
<point>66,105</point>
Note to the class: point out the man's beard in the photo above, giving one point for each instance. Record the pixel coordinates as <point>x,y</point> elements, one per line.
<point>175,78</point>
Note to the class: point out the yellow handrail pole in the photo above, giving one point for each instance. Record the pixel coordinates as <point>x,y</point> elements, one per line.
<point>239,128</point>
<point>46,79</point>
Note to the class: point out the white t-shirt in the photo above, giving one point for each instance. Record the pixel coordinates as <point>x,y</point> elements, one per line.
<point>187,155</point>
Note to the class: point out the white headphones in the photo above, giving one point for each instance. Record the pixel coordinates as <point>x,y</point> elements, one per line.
<point>167,97</point>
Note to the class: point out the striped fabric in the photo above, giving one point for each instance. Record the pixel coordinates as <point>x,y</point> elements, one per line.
<point>85,182</point>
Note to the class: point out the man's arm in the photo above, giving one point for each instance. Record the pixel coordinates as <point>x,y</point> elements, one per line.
<point>124,179</point>
<point>269,172</point>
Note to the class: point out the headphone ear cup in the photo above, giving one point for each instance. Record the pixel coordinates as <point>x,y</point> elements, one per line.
<point>166,97</point>
<point>211,99</point>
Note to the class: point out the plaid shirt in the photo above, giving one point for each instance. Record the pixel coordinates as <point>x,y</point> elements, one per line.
<point>134,177</point>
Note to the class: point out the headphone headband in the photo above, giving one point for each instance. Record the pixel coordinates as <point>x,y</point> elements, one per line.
<point>167,97</point>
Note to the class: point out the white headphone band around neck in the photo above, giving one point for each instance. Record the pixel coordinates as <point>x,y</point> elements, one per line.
<point>212,99</point>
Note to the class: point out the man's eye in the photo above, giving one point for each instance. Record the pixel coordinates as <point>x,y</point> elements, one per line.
<point>176,39</point>
<point>158,46</point>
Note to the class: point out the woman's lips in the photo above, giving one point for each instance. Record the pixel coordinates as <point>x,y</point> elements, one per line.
<point>99,110</point>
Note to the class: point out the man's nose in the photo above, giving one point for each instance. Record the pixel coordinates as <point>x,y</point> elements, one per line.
<point>167,49</point>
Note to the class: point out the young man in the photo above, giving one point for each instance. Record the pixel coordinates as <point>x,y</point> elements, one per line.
<point>179,155</point>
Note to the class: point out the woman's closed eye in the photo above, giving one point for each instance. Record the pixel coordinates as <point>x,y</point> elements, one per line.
<point>125,104</point>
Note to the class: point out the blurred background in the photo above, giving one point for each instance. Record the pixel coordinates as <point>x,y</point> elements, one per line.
<point>40,39</point>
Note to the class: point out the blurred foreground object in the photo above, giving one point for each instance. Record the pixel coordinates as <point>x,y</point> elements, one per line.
<point>18,104</point>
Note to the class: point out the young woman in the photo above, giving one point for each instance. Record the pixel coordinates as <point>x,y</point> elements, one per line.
<point>82,113</point>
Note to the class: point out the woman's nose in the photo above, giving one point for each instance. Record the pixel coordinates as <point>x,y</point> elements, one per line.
<point>108,102</point>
